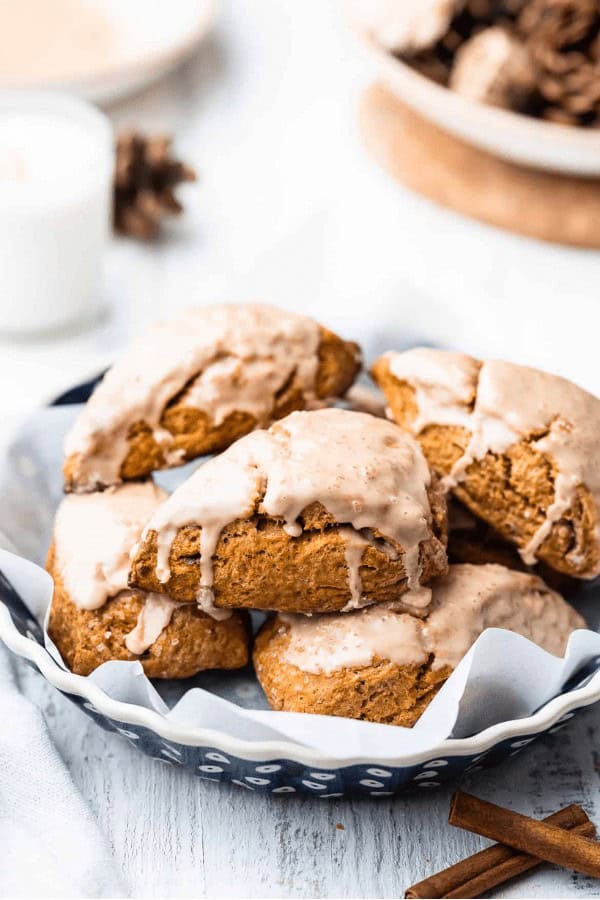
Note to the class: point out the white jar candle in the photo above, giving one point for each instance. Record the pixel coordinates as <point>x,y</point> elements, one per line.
<point>56,168</point>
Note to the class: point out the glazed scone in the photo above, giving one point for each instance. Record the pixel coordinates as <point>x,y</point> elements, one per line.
<point>95,617</point>
<point>196,383</point>
<point>383,665</point>
<point>517,446</point>
<point>327,510</point>
<point>188,643</point>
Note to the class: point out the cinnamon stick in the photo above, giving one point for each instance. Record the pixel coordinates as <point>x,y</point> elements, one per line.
<point>540,839</point>
<point>491,867</point>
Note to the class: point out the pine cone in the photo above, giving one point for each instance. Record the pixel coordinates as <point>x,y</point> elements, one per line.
<point>563,41</point>
<point>432,64</point>
<point>473,17</point>
<point>146,176</point>
<point>559,24</point>
<point>494,12</point>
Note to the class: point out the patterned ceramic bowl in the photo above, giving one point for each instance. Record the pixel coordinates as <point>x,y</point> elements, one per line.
<point>282,767</point>
<point>285,767</point>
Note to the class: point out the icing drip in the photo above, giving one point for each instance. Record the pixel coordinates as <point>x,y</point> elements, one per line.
<point>222,490</point>
<point>417,600</point>
<point>364,471</point>
<point>565,490</point>
<point>224,358</point>
<point>500,404</point>
<point>93,538</point>
<point>466,601</point>
<point>355,545</point>
<point>206,603</point>
<point>155,615</point>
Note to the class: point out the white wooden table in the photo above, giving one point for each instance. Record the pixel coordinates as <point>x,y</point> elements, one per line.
<point>289,210</point>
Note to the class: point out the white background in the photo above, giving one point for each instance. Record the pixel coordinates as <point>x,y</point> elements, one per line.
<point>288,209</point>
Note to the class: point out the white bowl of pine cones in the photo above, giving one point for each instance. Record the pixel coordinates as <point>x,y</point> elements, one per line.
<point>518,78</point>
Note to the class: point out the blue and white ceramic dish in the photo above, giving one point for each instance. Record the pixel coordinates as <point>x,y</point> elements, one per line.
<point>283,767</point>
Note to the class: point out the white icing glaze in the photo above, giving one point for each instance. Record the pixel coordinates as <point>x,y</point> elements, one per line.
<point>406,26</point>
<point>471,598</point>
<point>365,471</point>
<point>93,538</point>
<point>466,601</point>
<point>445,384</point>
<point>155,615</point>
<point>511,403</point>
<point>226,357</point>
<point>325,644</point>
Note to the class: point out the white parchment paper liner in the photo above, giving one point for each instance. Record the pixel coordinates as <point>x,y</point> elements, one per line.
<point>503,677</point>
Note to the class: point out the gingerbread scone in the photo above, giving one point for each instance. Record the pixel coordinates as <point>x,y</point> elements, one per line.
<point>517,446</point>
<point>384,665</point>
<point>327,510</point>
<point>195,384</point>
<point>95,617</point>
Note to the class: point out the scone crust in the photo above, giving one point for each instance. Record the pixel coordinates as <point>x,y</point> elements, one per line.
<point>510,491</point>
<point>191,643</point>
<point>195,433</point>
<point>381,692</point>
<point>258,565</point>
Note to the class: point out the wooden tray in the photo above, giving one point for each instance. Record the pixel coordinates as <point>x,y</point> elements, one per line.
<point>543,205</point>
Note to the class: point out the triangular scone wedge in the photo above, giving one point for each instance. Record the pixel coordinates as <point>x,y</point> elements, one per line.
<point>196,383</point>
<point>95,617</point>
<point>517,446</point>
<point>327,510</point>
<point>385,665</point>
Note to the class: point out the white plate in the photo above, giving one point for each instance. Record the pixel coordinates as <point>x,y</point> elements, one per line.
<point>152,38</point>
<point>521,139</point>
